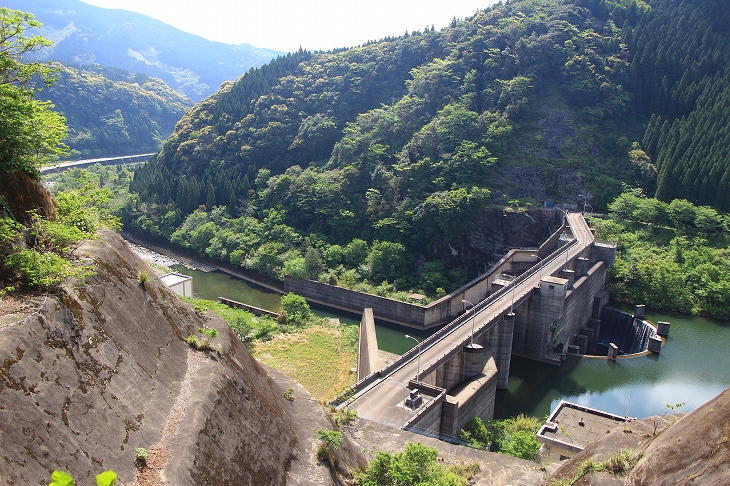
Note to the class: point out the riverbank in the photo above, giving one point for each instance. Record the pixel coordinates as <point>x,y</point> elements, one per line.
<point>151,252</point>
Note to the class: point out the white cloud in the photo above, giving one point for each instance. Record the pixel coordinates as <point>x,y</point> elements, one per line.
<point>286,25</point>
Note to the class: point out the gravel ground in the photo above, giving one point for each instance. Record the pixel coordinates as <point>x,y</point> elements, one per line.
<point>151,256</point>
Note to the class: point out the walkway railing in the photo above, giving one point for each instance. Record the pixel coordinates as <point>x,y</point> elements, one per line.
<point>427,343</point>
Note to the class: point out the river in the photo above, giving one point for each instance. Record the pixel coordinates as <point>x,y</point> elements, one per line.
<point>693,366</point>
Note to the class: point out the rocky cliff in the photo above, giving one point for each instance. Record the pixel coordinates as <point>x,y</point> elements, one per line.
<point>102,367</point>
<point>493,233</point>
<point>666,450</point>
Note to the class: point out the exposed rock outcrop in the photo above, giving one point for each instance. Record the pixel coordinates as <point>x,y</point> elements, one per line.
<point>20,193</point>
<point>103,368</point>
<point>492,234</point>
<point>669,450</point>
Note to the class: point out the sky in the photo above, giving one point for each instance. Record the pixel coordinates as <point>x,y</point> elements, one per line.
<point>287,25</point>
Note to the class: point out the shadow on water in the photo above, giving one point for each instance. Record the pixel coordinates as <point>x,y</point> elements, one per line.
<point>530,381</point>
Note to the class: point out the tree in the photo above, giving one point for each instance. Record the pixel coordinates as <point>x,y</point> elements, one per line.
<point>14,45</point>
<point>388,260</point>
<point>296,308</point>
<point>30,132</point>
<point>313,263</point>
<point>416,465</point>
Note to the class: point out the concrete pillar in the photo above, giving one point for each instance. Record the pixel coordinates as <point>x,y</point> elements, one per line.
<point>581,265</point>
<point>655,344</point>
<point>463,366</point>
<point>368,355</point>
<point>662,328</point>
<point>599,302</point>
<point>503,350</point>
<point>450,416</point>
<point>639,311</point>
<point>569,275</point>
<point>612,351</point>
<point>473,360</point>
<point>595,325</point>
<point>581,341</point>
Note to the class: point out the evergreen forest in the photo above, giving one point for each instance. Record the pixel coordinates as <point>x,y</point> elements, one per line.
<point>111,112</point>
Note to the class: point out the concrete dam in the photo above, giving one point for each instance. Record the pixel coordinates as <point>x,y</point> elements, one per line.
<point>540,303</point>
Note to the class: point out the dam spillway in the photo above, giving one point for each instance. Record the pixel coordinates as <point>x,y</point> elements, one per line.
<point>631,334</point>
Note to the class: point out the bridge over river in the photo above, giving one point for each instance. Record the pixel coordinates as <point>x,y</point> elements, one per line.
<point>457,370</point>
<point>81,164</point>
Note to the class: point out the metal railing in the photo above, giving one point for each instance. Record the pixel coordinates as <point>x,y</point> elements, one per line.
<point>349,394</point>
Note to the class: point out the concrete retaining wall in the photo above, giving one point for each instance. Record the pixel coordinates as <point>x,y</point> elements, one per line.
<point>253,310</point>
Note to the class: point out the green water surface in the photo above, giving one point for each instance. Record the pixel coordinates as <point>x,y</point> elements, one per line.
<point>692,368</point>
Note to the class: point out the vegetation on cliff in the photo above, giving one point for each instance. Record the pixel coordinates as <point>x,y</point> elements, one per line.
<point>30,131</point>
<point>36,254</point>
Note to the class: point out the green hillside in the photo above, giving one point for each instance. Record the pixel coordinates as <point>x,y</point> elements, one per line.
<point>85,34</point>
<point>112,112</point>
<point>400,143</point>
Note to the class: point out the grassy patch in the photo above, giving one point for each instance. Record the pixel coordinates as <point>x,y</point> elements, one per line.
<point>318,357</point>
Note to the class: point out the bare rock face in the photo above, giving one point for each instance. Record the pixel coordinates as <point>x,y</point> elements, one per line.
<point>492,234</point>
<point>695,450</point>
<point>20,193</point>
<point>103,368</point>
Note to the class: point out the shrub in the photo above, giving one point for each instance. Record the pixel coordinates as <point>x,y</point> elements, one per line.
<point>199,344</point>
<point>331,440</point>
<point>416,464</point>
<point>140,456</point>
<point>43,270</point>
<point>343,416</point>
<point>60,478</point>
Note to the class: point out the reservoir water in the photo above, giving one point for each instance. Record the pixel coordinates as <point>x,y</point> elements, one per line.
<point>693,366</point>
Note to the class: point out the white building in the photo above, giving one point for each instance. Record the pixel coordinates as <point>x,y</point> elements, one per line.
<point>181,284</point>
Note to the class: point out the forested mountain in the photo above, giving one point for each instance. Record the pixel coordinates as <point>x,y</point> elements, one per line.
<point>680,77</point>
<point>400,143</point>
<point>84,34</point>
<point>111,112</point>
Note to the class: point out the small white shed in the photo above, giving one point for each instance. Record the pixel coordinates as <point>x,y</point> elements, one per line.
<point>181,284</point>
